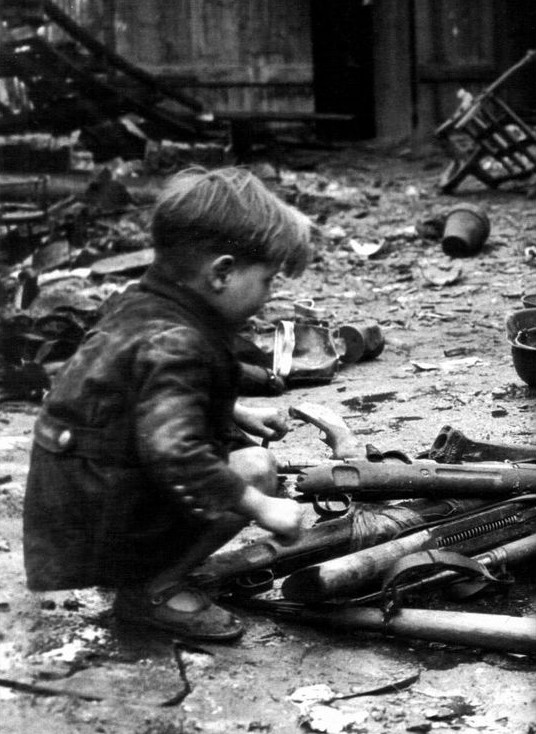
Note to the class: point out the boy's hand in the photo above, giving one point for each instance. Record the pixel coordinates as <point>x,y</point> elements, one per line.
<point>283,517</point>
<point>269,423</point>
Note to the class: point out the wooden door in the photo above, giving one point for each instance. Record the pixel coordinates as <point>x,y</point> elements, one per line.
<point>343,64</point>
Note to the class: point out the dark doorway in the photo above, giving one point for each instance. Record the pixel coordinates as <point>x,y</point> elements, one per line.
<point>343,66</point>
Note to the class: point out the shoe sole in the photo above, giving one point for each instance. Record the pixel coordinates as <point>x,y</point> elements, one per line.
<point>154,624</point>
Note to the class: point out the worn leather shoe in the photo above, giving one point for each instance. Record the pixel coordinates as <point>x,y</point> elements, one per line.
<point>187,612</point>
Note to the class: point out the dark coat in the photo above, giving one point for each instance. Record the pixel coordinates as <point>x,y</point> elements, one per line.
<point>129,457</point>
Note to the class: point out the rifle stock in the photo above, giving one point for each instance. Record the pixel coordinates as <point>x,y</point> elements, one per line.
<point>251,567</point>
<point>338,435</point>
<point>244,568</point>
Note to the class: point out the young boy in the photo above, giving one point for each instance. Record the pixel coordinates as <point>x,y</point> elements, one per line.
<point>138,471</point>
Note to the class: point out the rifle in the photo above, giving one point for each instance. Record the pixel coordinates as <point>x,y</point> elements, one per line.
<point>492,631</point>
<point>401,578</point>
<point>368,481</point>
<point>498,632</point>
<point>252,568</point>
<point>371,481</point>
<point>471,533</point>
<point>450,446</point>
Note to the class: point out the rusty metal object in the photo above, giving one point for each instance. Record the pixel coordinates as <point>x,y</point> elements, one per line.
<point>451,446</point>
<point>372,482</point>
<point>523,355</point>
<point>363,341</point>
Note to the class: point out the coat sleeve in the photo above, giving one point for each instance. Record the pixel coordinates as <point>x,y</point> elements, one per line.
<point>174,436</point>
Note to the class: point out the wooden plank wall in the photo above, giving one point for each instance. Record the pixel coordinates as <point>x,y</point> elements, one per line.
<point>392,82</point>
<point>456,47</point>
<point>232,42</point>
<point>223,50</point>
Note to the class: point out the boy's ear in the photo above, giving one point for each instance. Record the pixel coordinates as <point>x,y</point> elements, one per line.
<point>219,271</point>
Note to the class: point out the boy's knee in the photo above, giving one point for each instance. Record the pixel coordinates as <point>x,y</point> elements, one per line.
<point>257,466</point>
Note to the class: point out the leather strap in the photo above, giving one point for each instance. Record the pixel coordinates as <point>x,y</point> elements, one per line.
<point>427,562</point>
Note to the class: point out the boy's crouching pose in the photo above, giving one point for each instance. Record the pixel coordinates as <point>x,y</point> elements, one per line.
<point>138,471</point>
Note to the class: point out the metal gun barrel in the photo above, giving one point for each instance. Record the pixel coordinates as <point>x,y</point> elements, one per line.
<point>368,481</point>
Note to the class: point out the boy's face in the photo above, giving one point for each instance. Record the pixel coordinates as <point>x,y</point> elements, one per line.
<point>247,288</point>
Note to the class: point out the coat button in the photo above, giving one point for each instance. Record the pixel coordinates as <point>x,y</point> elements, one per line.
<point>64,439</point>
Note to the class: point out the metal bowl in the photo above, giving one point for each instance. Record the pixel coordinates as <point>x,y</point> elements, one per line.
<point>529,300</point>
<point>523,356</point>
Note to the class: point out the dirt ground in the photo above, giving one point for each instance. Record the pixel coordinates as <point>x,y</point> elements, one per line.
<point>64,664</point>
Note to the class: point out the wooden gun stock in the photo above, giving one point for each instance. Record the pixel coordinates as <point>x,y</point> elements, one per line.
<point>252,567</point>
<point>338,435</point>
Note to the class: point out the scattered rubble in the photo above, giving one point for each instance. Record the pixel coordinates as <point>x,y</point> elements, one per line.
<point>446,349</point>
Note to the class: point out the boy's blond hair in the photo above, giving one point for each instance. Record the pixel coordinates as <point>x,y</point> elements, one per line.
<point>228,211</point>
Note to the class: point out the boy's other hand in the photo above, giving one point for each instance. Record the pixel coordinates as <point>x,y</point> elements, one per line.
<point>281,516</point>
<point>269,423</point>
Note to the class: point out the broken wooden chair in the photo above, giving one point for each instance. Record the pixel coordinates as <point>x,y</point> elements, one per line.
<point>487,139</point>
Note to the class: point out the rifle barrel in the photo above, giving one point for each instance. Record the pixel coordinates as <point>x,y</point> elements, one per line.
<point>369,481</point>
<point>493,631</point>
<point>510,554</point>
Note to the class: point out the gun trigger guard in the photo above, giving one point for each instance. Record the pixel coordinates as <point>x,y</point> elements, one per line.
<point>254,583</point>
<point>323,508</point>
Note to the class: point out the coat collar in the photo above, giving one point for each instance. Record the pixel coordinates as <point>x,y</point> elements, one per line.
<point>157,281</point>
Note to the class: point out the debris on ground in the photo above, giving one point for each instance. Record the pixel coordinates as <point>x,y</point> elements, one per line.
<point>390,331</point>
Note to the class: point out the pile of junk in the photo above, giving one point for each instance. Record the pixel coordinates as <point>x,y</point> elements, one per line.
<point>63,265</point>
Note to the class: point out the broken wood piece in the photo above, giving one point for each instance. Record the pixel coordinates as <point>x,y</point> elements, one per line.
<point>130,684</point>
<point>52,256</point>
<point>124,263</point>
